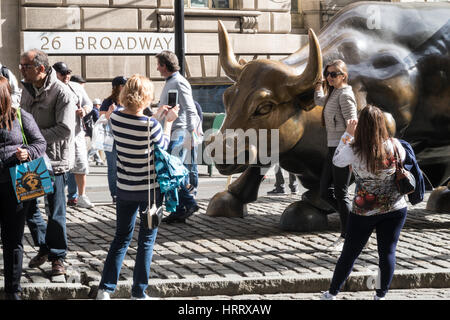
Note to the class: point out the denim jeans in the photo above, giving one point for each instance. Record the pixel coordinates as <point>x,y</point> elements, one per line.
<point>72,189</point>
<point>125,223</point>
<point>111,160</point>
<point>177,149</point>
<point>50,237</point>
<point>12,223</point>
<point>388,227</point>
<point>192,167</point>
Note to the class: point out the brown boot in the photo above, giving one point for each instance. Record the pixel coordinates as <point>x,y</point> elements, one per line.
<point>38,260</point>
<point>58,268</point>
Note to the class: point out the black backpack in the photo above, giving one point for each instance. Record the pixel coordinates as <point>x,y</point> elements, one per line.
<point>5,72</point>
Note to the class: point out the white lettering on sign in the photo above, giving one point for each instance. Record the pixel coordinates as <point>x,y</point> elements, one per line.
<point>98,42</point>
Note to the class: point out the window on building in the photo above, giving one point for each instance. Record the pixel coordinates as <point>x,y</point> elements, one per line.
<point>212,4</point>
<point>295,6</point>
<point>210,97</point>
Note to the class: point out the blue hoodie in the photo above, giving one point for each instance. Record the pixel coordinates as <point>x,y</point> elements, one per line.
<point>412,166</point>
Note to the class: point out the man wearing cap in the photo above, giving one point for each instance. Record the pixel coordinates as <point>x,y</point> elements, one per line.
<point>77,176</point>
<point>110,105</point>
<point>53,108</point>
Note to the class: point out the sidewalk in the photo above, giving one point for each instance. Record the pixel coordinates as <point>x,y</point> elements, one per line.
<point>238,256</point>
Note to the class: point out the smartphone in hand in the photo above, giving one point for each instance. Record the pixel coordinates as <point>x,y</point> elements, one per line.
<point>172,100</point>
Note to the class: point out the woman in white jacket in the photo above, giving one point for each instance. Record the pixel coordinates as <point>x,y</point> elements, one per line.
<point>377,204</point>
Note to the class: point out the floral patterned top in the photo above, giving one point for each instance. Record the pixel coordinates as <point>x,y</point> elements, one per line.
<point>374,193</point>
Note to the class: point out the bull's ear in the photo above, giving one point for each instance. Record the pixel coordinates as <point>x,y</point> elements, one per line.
<point>227,58</point>
<point>313,71</point>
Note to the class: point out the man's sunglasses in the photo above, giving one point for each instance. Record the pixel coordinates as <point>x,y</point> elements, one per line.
<point>26,66</point>
<point>333,74</point>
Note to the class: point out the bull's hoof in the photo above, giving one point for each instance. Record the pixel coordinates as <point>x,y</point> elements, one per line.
<point>225,204</point>
<point>439,200</point>
<point>302,216</point>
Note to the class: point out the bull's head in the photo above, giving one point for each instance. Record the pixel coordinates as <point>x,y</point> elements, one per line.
<point>268,95</point>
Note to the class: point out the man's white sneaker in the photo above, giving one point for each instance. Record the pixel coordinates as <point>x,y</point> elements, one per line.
<point>337,245</point>
<point>327,296</point>
<point>375,297</point>
<point>84,202</point>
<point>102,295</point>
<point>145,297</point>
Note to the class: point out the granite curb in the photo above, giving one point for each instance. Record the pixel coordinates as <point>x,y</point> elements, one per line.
<point>164,288</point>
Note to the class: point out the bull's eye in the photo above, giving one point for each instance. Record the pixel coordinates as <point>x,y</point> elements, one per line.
<point>263,109</point>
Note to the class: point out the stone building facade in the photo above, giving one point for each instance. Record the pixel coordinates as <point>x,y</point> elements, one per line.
<point>258,29</point>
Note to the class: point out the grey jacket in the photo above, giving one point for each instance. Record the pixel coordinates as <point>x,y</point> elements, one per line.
<point>187,116</point>
<point>341,106</point>
<point>54,112</point>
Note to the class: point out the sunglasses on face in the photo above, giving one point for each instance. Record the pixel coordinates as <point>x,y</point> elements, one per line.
<point>333,74</point>
<point>26,66</point>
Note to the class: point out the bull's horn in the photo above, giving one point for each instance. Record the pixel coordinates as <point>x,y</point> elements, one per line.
<point>313,70</point>
<point>227,58</point>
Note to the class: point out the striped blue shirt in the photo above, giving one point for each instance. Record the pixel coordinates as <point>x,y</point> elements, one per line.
<point>131,138</point>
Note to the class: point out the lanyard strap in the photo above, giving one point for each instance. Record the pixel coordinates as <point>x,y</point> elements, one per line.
<point>19,118</point>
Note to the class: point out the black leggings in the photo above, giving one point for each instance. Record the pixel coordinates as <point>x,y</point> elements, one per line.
<point>334,188</point>
<point>388,227</point>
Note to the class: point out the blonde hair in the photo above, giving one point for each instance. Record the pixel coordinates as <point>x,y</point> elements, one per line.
<point>137,93</point>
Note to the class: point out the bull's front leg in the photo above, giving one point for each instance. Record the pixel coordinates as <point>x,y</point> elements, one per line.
<point>232,202</point>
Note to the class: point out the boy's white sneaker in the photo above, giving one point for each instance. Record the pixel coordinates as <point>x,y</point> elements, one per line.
<point>84,202</point>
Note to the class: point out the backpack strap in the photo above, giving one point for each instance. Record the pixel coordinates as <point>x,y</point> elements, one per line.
<point>5,72</point>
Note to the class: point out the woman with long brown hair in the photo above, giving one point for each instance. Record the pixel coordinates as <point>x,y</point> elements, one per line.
<point>377,204</point>
<point>12,214</point>
<point>339,106</point>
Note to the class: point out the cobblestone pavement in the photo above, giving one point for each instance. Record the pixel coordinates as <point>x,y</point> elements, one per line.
<point>235,249</point>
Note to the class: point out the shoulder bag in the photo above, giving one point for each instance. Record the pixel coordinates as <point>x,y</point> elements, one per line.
<point>405,181</point>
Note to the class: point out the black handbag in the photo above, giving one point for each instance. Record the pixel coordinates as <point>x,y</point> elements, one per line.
<point>405,181</point>
<point>154,213</point>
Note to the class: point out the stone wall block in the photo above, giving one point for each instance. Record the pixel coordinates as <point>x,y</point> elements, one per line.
<point>280,22</point>
<point>245,4</point>
<point>270,5</point>
<point>264,22</point>
<point>40,18</point>
<point>194,64</point>
<point>207,24</point>
<point>108,67</point>
<point>73,62</point>
<point>88,3</point>
<point>43,2</point>
<point>149,20</point>
<point>211,66</point>
<point>110,19</point>
<point>99,90</point>
<point>165,3</point>
<point>135,3</point>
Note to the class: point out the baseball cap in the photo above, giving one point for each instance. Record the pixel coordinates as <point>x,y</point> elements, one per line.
<point>117,81</point>
<point>97,101</point>
<point>77,78</point>
<point>62,68</point>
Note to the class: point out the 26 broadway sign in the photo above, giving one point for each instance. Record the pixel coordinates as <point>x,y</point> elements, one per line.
<point>98,42</point>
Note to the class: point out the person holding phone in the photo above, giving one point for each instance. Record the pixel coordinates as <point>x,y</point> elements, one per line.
<point>178,91</point>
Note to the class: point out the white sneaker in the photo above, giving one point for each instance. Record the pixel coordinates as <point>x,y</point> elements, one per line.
<point>375,297</point>
<point>327,296</point>
<point>337,245</point>
<point>145,297</point>
<point>84,202</point>
<point>102,295</point>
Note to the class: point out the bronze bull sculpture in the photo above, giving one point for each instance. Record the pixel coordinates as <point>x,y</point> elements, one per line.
<point>398,59</point>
